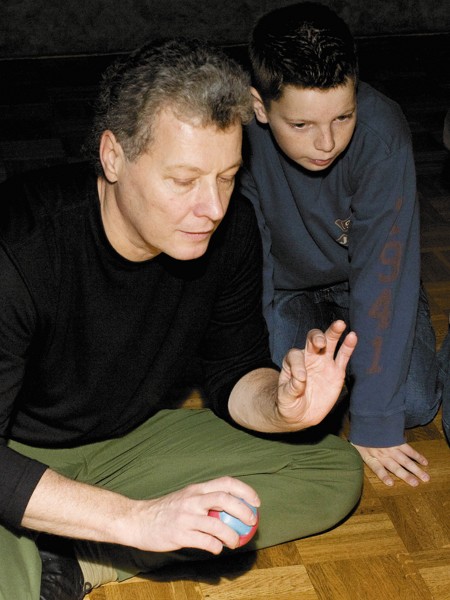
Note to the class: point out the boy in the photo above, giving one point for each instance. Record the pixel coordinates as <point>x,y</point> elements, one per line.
<point>330,171</point>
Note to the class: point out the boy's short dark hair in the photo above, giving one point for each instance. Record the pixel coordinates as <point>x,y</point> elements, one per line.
<point>305,45</point>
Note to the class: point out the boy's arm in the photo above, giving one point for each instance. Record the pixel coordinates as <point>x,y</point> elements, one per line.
<point>385,279</point>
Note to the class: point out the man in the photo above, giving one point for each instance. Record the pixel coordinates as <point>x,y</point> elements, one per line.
<point>330,172</point>
<point>117,286</point>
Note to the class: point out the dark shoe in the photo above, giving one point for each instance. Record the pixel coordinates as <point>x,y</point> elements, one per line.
<point>61,577</point>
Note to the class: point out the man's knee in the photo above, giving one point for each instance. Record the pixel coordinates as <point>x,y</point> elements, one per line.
<point>348,485</point>
<point>341,477</point>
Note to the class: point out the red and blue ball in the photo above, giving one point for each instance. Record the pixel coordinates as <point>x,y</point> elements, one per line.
<point>245,532</point>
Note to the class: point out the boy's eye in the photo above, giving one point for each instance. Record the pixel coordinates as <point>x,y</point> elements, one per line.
<point>344,117</point>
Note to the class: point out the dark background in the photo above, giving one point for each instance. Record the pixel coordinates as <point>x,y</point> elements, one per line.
<point>52,54</point>
<point>43,28</point>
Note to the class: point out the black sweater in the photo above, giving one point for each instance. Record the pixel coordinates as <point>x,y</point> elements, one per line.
<point>91,344</point>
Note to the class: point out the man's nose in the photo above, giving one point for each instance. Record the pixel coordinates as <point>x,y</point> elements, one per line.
<point>210,203</point>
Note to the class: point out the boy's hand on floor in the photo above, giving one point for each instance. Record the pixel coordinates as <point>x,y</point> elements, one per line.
<point>402,461</point>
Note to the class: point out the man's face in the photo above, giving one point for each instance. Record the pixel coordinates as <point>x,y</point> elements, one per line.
<point>174,196</point>
<point>311,126</point>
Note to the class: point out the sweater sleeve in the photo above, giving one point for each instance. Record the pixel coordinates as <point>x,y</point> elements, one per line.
<point>20,474</point>
<point>237,339</point>
<point>384,287</point>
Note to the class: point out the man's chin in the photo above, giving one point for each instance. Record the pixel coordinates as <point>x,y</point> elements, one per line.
<point>191,253</point>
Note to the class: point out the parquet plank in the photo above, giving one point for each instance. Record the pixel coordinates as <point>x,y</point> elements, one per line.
<point>277,556</point>
<point>280,583</point>
<point>434,569</point>
<point>438,581</point>
<point>138,588</point>
<point>373,578</point>
<point>421,520</point>
<point>362,535</point>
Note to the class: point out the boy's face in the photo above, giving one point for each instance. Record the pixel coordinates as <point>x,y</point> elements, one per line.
<point>311,126</point>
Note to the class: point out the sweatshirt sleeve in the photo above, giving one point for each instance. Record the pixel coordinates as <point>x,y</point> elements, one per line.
<point>384,279</point>
<point>19,474</point>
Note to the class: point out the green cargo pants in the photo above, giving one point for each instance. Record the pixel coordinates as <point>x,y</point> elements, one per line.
<point>304,487</point>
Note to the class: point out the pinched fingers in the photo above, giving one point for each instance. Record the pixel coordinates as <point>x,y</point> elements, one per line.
<point>319,342</point>
<point>293,372</point>
<point>316,341</point>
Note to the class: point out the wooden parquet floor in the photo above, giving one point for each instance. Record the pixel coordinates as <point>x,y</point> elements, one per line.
<point>396,544</point>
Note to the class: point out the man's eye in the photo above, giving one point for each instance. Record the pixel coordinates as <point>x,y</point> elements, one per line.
<point>185,183</point>
<point>226,180</point>
<point>299,125</point>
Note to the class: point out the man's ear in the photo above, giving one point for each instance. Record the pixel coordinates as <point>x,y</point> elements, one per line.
<point>258,106</point>
<point>111,156</point>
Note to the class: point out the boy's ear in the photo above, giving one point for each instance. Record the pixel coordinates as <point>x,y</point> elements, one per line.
<point>111,156</point>
<point>258,106</point>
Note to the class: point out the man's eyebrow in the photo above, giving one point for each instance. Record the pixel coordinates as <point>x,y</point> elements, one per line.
<point>185,166</point>
<point>194,169</point>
